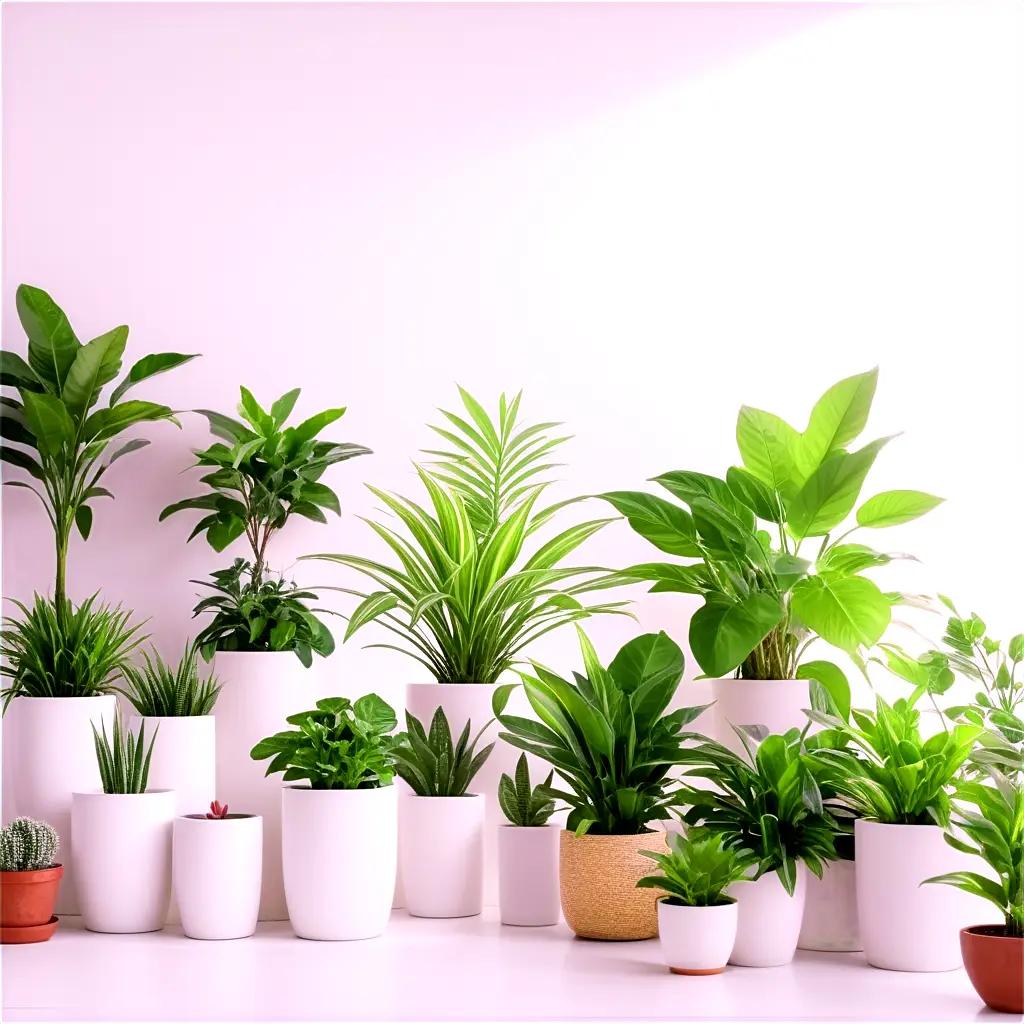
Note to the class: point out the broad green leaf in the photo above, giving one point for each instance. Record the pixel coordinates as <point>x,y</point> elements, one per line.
<point>149,366</point>
<point>83,520</point>
<point>667,526</point>
<point>890,508</point>
<point>757,496</point>
<point>1015,648</point>
<point>724,632</point>
<point>683,579</point>
<point>15,372</point>
<point>96,363</point>
<point>834,681</point>
<point>309,428</point>
<point>849,613</point>
<point>369,608</point>
<point>850,559</point>
<point>48,419</point>
<point>227,428</point>
<point>653,656</point>
<point>836,419</point>
<point>768,447</point>
<point>104,424</point>
<point>22,460</point>
<point>282,408</point>
<point>52,345</point>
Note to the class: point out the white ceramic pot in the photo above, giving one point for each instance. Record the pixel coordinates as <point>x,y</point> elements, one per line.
<point>440,850</point>
<point>904,925</point>
<point>696,940</point>
<point>768,925</point>
<point>259,690</point>
<point>121,852</point>
<point>777,704</point>
<point>340,851</point>
<point>528,874</point>
<point>830,910</point>
<point>48,754</point>
<point>217,869</point>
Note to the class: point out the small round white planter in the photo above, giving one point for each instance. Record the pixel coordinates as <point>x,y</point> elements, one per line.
<point>696,940</point>
<point>904,925</point>
<point>830,910</point>
<point>121,852</point>
<point>769,920</point>
<point>441,854</point>
<point>340,857</point>
<point>777,704</point>
<point>528,874</point>
<point>217,869</point>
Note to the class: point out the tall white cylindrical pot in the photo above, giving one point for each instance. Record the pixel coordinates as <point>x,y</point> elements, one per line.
<point>340,849</point>
<point>777,704</point>
<point>259,690</point>
<point>904,925</point>
<point>696,940</point>
<point>121,852</point>
<point>217,867</point>
<point>48,754</point>
<point>768,924</point>
<point>440,850</point>
<point>528,874</point>
<point>830,910</point>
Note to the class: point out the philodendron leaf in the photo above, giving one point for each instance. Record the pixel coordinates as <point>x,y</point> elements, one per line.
<point>768,448</point>
<point>832,679</point>
<point>890,508</point>
<point>724,632</point>
<point>836,419</point>
<point>667,526</point>
<point>848,613</point>
<point>654,656</point>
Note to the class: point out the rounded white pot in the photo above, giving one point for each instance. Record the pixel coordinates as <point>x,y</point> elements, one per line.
<point>777,704</point>
<point>217,869</point>
<point>340,852</point>
<point>49,754</point>
<point>696,940</point>
<point>440,851</point>
<point>830,910</point>
<point>121,852</point>
<point>528,874</point>
<point>259,690</point>
<point>768,925</point>
<point>904,925</point>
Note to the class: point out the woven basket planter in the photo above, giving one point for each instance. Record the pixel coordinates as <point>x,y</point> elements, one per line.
<point>598,876</point>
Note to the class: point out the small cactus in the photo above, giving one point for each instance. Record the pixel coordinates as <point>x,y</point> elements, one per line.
<point>217,810</point>
<point>27,845</point>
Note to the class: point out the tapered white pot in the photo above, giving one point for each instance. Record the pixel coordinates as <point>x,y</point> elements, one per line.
<point>121,852</point>
<point>259,690</point>
<point>217,865</point>
<point>768,924</point>
<point>528,874</point>
<point>696,940</point>
<point>440,850</point>
<point>830,910</point>
<point>905,925</point>
<point>777,704</point>
<point>48,754</point>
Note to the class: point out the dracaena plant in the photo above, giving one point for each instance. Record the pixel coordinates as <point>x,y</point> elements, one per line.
<point>525,806</point>
<point>466,596</point>
<point>607,733</point>
<point>431,763</point>
<point>770,554</point>
<point>698,869</point>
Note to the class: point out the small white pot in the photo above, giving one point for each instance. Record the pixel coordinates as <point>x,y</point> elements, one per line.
<point>769,920</point>
<point>528,874</point>
<point>777,704</point>
<point>340,857</point>
<point>217,868</point>
<point>441,854</point>
<point>696,940</point>
<point>905,925</point>
<point>121,852</point>
<point>830,910</point>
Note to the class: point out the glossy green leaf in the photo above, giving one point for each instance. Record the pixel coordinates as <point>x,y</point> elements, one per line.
<point>890,508</point>
<point>52,345</point>
<point>146,367</point>
<point>667,526</point>
<point>837,418</point>
<point>850,613</point>
<point>723,632</point>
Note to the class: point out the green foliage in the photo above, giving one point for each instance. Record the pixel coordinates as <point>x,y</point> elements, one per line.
<point>698,869</point>
<point>607,734</point>
<point>521,804</point>
<point>464,597</point>
<point>157,690</point>
<point>28,845</point>
<point>75,654</point>
<point>337,745</point>
<point>53,431</point>
<point>431,764</point>
<point>123,758</point>
<point>765,597</point>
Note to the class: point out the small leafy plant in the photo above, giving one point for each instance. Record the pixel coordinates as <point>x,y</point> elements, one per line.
<point>28,845</point>
<point>123,758</point>
<point>217,811</point>
<point>523,805</point>
<point>431,764</point>
<point>698,869</point>
<point>339,744</point>
<point>156,690</point>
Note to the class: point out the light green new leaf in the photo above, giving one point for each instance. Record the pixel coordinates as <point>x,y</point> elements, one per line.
<point>723,632</point>
<point>768,447</point>
<point>667,526</point>
<point>836,419</point>
<point>848,613</point>
<point>890,508</point>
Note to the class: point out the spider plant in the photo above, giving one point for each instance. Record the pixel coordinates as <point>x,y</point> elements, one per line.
<point>158,690</point>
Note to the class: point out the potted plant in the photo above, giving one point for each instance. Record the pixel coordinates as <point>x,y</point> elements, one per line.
<point>696,916</point>
<point>60,658</point>
<point>608,735</point>
<point>264,629</point>
<point>217,862</point>
<point>29,881</point>
<point>766,597</point>
<point>527,850</point>
<point>121,838</point>
<point>339,829</point>
<point>441,839</point>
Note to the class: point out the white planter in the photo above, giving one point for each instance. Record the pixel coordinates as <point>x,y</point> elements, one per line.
<point>48,754</point>
<point>440,850</point>
<point>121,852</point>
<point>217,869</point>
<point>769,919</point>
<point>340,859</point>
<point>528,874</point>
<point>777,704</point>
<point>830,910</point>
<point>904,925</point>
<point>260,689</point>
<point>696,940</point>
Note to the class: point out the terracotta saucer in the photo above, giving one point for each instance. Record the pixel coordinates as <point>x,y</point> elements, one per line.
<point>32,933</point>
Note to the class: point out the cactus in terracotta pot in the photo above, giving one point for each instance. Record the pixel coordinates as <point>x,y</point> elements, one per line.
<point>29,880</point>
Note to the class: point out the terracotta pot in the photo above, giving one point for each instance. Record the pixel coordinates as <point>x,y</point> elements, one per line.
<point>995,965</point>
<point>27,899</point>
<point>598,876</point>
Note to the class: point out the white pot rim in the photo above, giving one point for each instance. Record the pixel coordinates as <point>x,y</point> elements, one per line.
<point>256,654</point>
<point>453,686</point>
<point>730,680</point>
<point>663,902</point>
<point>241,816</point>
<point>354,794</point>
<point>531,828</point>
<point>93,794</point>
<point>171,718</point>
<point>460,799</point>
<point>871,823</point>
<point>63,700</point>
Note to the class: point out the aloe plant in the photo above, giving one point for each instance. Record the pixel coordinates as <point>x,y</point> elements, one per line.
<point>123,758</point>
<point>158,690</point>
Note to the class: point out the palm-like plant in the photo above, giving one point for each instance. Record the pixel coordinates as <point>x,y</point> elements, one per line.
<point>158,690</point>
<point>698,869</point>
